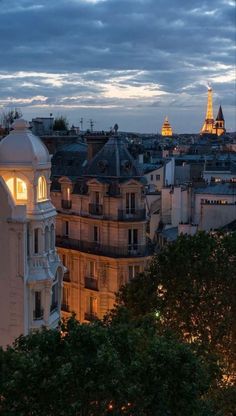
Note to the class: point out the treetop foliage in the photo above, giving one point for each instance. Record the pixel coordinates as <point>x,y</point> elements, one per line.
<point>60,123</point>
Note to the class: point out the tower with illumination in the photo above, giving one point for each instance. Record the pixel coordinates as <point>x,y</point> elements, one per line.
<point>166,128</point>
<point>31,272</point>
<point>210,125</point>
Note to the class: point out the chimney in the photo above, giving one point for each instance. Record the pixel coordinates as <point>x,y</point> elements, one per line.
<point>95,143</point>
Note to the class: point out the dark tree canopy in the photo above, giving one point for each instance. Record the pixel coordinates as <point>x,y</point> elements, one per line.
<point>60,124</point>
<point>99,369</point>
<point>191,289</point>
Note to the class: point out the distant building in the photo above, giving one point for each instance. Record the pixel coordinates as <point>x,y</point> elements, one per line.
<point>166,128</point>
<point>31,272</point>
<point>42,126</point>
<point>212,126</point>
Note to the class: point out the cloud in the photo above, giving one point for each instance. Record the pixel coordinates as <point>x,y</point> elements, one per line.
<point>116,53</point>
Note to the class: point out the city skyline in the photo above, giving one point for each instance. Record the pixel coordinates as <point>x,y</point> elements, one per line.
<point>130,62</point>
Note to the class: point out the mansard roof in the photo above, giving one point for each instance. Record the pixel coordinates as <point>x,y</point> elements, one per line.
<point>114,161</point>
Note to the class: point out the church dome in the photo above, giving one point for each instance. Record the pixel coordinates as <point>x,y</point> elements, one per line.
<point>21,147</point>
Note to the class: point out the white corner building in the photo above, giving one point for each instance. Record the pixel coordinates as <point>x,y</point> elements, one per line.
<point>30,269</point>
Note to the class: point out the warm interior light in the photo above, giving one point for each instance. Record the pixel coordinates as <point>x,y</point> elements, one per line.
<point>18,188</point>
<point>42,188</point>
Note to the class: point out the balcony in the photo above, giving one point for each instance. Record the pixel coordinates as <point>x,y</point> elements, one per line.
<point>38,314</point>
<point>132,215</point>
<point>66,204</point>
<point>65,307</point>
<point>95,209</point>
<point>133,250</point>
<point>90,316</point>
<point>91,283</point>
<point>66,277</point>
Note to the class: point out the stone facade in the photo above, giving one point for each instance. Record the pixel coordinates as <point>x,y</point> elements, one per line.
<point>31,272</point>
<point>101,229</point>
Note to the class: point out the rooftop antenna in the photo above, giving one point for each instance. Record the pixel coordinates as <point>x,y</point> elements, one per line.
<point>91,122</point>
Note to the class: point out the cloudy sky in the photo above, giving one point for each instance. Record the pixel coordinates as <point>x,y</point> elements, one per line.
<point>125,61</point>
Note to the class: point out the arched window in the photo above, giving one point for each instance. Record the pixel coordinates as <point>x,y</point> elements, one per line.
<point>52,237</point>
<point>42,188</point>
<point>18,188</point>
<point>47,238</point>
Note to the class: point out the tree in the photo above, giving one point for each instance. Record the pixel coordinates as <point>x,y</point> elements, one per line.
<point>7,118</point>
<point>191,287</point>
<point>102,369</point>
<point>60,124</point>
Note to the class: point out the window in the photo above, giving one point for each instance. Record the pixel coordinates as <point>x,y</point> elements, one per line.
<point>18,188</point>
<point>133,239</point>
<point>158,177</point>
<point>38,311</point>
<point>28,240</point>
<point>65,299</point>
<point>92,268</point>
<point>65,228</point>
<point>151,177</point>
<point>130,203</point>
<point>52,237</point>
<point>47,239</point>
<point>97,198</point>
<point>36,240</point>
<point>91,306</point>
<point>42,188</point>
<point>54,298</point>
<point>96,234</point>
<point>133,271</point>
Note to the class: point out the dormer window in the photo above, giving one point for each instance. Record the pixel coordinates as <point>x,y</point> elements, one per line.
<point>42,188</point>
<point>18,188</point>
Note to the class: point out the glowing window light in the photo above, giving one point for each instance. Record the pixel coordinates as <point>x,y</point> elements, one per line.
<point>18,188</point>
<point>42,188</point>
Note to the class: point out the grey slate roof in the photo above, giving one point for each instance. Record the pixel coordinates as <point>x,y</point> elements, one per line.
<point>69,161</point>
<point>218,189</point>
<point>114,161</point>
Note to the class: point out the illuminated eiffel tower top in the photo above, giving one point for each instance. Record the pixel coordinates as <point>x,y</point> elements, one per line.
<point>208,126</point>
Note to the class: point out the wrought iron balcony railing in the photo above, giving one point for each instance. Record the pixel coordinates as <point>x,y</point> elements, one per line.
<point>132,214</point>
<point>66,204</point>
<point>91,283</point>
<point>38,314</point>
<point>95,209</point>
<point>130,250</point>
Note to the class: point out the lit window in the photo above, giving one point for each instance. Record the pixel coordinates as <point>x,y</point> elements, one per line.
<point>42,188</point>
<point>18,188</point>
<point>133,271</point>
